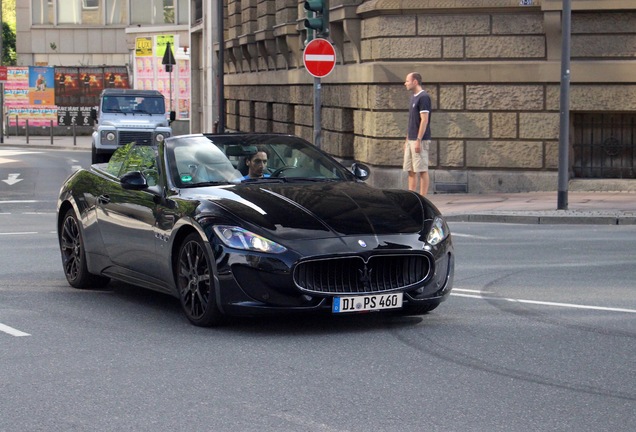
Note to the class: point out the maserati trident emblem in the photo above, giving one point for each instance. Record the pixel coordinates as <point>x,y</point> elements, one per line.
<point>362,243</point>
<point>365,276</point>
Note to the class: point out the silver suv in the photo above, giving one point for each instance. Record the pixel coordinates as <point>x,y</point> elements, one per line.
<point>128,115</point>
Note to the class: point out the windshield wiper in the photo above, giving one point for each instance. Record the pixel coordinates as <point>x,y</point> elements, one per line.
<point>210,183</point>
<point>265,180</point>
<point>311,179</point>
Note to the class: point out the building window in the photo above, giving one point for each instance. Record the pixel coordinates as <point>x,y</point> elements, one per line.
<point>157,12</point>
<point>42,12</point>
<point>87,12</point>
<point>183,9</point>
<point>604,145</point>
<point>116,12</point>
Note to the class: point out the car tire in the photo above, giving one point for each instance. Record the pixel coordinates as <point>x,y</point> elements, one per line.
<point>195,282</point>
<point>73,253</point>
<point>98,157</point>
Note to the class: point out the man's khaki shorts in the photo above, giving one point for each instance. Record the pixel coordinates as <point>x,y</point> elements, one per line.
<point>416,162</point>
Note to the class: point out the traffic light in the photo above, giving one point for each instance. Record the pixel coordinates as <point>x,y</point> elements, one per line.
<point>319,19</point>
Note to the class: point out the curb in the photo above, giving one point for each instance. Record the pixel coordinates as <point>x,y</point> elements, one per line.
<point>581,219</point>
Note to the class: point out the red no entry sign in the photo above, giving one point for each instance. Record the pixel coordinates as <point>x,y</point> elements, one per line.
<point>319,57</point>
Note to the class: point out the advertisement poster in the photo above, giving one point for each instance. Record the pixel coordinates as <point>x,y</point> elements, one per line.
<point>67,86</point>
<point>91,85</point>
<point>64,95</point>
<point>77,91</point>
<point>28,96</point>
<point>150,73</point>
<point>183,87</point>
<point>116,77</point>
<point>16,89</point>
<point>41,84</point>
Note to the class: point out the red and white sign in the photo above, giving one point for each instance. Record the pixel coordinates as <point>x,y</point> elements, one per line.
<point>319,57</point>
<point>3,73</point>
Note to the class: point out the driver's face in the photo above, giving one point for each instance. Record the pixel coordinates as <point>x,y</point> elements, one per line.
<point>257,165</point>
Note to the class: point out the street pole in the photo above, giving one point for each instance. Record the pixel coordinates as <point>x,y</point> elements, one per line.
<point>1,83</point>
<point>564,134</point>
<point>317,112</point>
<point>220,68</point>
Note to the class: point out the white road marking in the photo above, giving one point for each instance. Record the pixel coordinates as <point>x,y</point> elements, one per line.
<point>454,234</point>
<point>11,331</point>
<point>545,303</point>
<point>12,179</point>
<point>472,291</point>
<point>4,153</point>
<point>18,233</point>
<point>76,167</point>
<point>19,202</point>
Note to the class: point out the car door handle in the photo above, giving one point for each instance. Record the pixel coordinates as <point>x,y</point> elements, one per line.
<point>103,199</point>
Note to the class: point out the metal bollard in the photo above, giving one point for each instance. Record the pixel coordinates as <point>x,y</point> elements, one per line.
<point>74,135</point>
<point>51,132</point>
<point>26,131</point>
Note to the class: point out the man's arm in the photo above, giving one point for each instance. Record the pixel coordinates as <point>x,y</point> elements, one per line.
<point>422,130</point>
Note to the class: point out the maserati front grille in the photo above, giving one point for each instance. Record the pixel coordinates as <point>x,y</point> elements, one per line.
<point>354,275</point>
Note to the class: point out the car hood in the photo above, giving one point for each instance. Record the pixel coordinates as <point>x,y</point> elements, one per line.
<point>136,121</point>
<point>294,211</point>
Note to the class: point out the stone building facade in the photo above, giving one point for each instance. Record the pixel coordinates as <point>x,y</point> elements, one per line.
<point>492,68</point>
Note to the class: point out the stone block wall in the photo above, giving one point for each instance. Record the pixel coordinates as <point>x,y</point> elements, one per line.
<point>492,69</point>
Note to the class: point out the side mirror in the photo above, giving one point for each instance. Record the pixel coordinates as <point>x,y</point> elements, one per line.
<point>361,171</point>
<point>94,114</point>
<point>133,180</point>
<point>173,116</point>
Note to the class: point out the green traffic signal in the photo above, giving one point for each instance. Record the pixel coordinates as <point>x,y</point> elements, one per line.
<point>320,21</point>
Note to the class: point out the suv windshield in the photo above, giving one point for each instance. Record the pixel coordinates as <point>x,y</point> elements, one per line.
<point>133,104</point>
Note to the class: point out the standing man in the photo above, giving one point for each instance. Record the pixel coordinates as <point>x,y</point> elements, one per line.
<point>418,137</point>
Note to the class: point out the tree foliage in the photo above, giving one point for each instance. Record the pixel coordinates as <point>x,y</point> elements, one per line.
<point>8,45</point>
<point>8,32</point>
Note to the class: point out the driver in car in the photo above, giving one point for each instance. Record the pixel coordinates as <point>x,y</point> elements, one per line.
<point>257,164</point>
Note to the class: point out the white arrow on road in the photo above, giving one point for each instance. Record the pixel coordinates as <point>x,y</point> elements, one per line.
<point>12,179</point>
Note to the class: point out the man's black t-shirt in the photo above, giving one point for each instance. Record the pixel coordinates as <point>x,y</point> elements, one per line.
<point>420,102</point>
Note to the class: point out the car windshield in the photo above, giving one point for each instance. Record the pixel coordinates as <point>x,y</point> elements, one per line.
<point>134,104</point>
<point>199,160</point>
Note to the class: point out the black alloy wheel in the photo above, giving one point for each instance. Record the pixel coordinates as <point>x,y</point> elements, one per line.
<point>195,283</point>
<point>74,255</point>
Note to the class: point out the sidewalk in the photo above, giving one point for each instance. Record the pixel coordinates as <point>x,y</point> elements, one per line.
<point>604,208</point>
<point>80,142</point>
<point>599,208</point>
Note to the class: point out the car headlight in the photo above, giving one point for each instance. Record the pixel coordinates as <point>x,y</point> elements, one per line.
<point>160,137</point>
<point>108,136</point>
<point>239,238</point>
<point>438,232</point>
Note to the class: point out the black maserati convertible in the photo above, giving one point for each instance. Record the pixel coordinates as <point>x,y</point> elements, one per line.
<point>242,224</point>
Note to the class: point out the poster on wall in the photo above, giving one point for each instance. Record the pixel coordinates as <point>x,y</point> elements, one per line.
<point>41,84</point>
<point>91,85</point>
<point>183,87</point>
<point>150,73</point>
<point>64,95</point>
<point>77,91</point>
<point>29,96</point>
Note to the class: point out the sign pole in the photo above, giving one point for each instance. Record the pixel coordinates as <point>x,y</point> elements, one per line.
<point>319,59</point>
<point>317,112</point>
<point>1,112</point>
<point>564,134</point>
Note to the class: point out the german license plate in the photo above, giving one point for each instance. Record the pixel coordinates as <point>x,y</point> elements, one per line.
<point>367,303</point>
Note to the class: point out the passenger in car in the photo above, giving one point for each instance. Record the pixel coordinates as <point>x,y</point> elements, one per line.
<point>257,164</point>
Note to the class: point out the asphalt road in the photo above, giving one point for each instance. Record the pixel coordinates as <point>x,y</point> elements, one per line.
<point>539,334</point>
